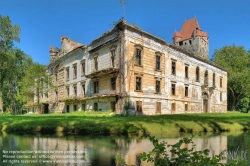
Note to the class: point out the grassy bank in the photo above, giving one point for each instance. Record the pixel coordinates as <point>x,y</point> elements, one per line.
<point>104,123</point>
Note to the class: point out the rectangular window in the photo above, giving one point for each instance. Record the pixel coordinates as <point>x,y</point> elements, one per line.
<point>173,107</point>
<point>173,68</point>
<point>213,79</point>
<point>220,96</point>
<point>83,107</point>
<point>221,82</point>
<point>158,86</point>
<point>138,83</point>
<point>186,72</point>
<point>75,107</point>
<point>75,71</point>
<point>112,106</point>
<point>113,83</point>
<point>67,108</point>
<point>186,91</point>
<point>96,63</point>
<point>56,78</point>
<point>186,107</point>
<point>83,68</point>
<point>173,88</point>
<point>95,106</point>
<point>56,95</point>
<point>138,56</point>
<point>139,106</point>
<point>96,87</point>
<point>113,58</point>
<point>158,62</point>
<point>83,89</point>
<point>67,91</point>
<point>67,73</point>
<point>75,90</point>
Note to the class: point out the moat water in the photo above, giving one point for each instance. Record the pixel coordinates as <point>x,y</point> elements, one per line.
<point>29,150</point>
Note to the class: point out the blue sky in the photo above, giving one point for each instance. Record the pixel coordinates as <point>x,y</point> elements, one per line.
<point>43,22</point>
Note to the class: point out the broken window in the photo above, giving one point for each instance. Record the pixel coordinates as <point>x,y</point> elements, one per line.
<point>173,88</point>
<point>138,57</point>
<point>83,68</point>
<point>113,58</point>
<point>157,62</point>
<point>138,83</point>
<point>113,83</point>
<point>95,106</point>
<point>75,90</point>
<point>206,78</point>
<point>213,79</point>
<point>96,62</point>
<point>67,73</point>
<point>173,67</point>
<point>186,72</point>
<point>75,71</point>
<point>197,74</point>
<point>139,106</point>
<point>186,91</point>
<point>190,42</point>
<point>181,43</point>
<point>157,86</point>
<point>96,87</point>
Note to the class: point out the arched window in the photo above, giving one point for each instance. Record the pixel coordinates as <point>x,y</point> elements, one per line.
<point>197,74</point>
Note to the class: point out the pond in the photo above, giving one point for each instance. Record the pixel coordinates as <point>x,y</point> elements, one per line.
<point>25,150</point>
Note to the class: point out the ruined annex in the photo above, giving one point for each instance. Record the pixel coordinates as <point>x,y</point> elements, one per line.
<point>130,71</point>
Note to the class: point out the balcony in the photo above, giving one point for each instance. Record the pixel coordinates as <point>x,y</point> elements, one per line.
<point>103,72</point>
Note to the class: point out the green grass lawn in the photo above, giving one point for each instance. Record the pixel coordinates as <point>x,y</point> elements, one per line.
<point>104,123</point>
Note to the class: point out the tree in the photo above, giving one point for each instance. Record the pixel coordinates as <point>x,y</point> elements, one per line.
<point>18,64</point>
<point>35,83</point>
<point>237,62</point>
<point>8,34</point>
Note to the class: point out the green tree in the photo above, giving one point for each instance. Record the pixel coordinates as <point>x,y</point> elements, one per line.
<point>237,62</point>
<point>8,34</point>
<point>18,62</point>
<point>35,83</point>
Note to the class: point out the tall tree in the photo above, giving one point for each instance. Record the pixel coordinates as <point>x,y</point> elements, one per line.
<point>35,83</point>
<point>18,64</point>
<point>8,34</point>
<point>237,62</point>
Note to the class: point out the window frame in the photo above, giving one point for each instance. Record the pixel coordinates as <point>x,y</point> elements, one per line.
<point>83,68</point>
<point>75,90</point>
<point>186,71</point>
<point>67,73</point>
<point>139,106</point>
<point>173,88</point>
<point>112,56</point>
<point>197,74</point>
<point>138,57</point>
<point>157,62</point>
<point>186,90</point>
<point>157,86</point>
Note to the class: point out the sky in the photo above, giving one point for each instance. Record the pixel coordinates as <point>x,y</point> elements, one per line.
<point>43,22</point>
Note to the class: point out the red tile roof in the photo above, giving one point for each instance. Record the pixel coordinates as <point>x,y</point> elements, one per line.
<point>189,29</point>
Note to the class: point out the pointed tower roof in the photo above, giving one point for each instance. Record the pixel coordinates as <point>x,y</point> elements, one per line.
<point>189,29</point>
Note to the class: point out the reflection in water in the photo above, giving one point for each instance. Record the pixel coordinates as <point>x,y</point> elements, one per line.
<point>101,151</point>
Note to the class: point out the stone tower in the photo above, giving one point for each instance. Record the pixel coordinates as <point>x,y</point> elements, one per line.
<point>192,38</point>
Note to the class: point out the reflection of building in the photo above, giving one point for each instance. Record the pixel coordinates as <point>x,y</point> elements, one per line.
<point>128,69</point>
